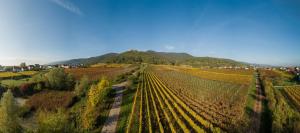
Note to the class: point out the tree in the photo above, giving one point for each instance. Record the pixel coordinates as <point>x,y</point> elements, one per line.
<point>58,79</point>
<point>82,86</point>
<point>8,114</point>
<point>96,96</point>
<point>23,64</point>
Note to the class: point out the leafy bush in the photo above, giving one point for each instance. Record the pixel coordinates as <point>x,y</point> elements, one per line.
<point>1,90</point>
<point>8,114</point>
<point>51,100</point>
<point>96,96</point>
<point>54,122</point>
<point>27,88</point>
<point>82,86</point>
<point>16,91</point>
<point>58,79</point>
<point>96,93</point>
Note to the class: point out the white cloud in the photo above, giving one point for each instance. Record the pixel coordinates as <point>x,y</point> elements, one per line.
<point>66,4</point>
<point>169,47</point>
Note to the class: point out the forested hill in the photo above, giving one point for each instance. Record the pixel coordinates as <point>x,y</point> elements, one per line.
<point>152,57</point>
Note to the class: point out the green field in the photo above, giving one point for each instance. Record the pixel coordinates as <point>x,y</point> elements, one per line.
<point>13,74</point>
<point>12,82</point>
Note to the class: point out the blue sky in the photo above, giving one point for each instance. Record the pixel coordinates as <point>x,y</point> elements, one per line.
<point>255,31</point>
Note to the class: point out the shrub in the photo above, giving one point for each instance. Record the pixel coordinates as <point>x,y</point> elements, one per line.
<point>96,93</point>
<point>8,114</point>
<point>38,86</point>
<point>96,96</point>
<point>51,100</point>
<point>89,118</point>
<point>16,91</point>
<point>1,90</point>
<point>27,89</point>
<point>82,86</point>
<point>58,79</point>
<point>54,122</point>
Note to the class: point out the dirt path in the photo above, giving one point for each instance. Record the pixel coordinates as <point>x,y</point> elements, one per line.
<point>113,117</point>
<point>257,109</point>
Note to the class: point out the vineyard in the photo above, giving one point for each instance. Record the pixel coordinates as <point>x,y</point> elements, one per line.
<point>283,102</point>
<point>233,76</point>
<point>293,93</point>
<point>221,103</point>
<point>95,73</point>
<point>231,71</point>
<point>170,101</point>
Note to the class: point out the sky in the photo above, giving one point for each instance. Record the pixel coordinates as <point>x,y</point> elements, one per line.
<point>254,31</point>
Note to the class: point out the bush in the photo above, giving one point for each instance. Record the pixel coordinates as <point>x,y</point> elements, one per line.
<point>82,86</point>
<point>54,122</point>
<point>96,93</point>
<point>96,96</point>
<point>2,90</point>
<point>38,78</point>
<point>16,91</point>
<point>58,79</point>
<point>51,100</point>
<point>27,89</point>
<point>8,114</point>
<point>38,86</point>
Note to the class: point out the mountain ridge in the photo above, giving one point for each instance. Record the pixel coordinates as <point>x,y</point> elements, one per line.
<point>153,57</point>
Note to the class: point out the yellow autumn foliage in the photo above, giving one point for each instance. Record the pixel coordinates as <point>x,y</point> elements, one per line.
<point>96,95</point>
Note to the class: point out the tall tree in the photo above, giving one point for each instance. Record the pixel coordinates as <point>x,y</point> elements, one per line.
<point>8,114</point>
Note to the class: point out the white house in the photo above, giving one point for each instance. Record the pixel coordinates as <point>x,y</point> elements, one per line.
<point>16,69</point>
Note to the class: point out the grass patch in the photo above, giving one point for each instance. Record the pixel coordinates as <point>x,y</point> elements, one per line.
<point>105,109</point>
<point>12,82</point>
<point>251,97</point>
<point>9,74</point>
<point>127,102</point>
<point>19,75</point>
<point>266,118</point>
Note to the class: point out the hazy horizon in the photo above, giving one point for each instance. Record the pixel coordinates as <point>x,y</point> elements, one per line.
<point>252,31</point>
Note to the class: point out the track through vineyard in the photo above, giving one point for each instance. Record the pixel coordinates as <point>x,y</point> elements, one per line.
<point>257,109</point>
<point>111,123</point>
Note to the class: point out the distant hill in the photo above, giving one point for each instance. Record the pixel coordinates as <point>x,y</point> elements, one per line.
<point>152,57</point>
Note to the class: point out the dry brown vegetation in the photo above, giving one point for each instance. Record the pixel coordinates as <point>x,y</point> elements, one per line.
<point>51,100</point>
